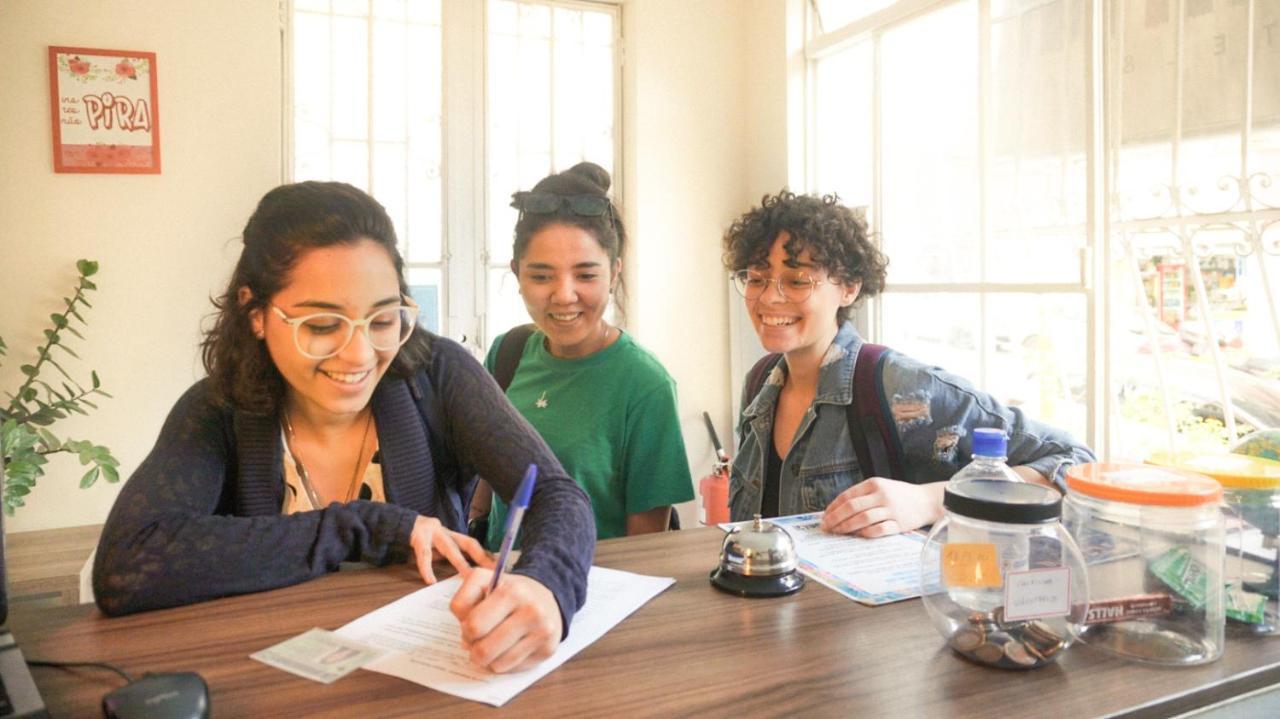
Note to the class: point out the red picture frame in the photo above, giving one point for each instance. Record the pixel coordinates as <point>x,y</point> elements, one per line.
<point>105,112</point>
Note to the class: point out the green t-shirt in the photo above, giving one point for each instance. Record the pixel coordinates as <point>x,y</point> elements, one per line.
<point>611,420</point>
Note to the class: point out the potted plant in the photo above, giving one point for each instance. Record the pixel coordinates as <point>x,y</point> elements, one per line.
<point>26,437</point>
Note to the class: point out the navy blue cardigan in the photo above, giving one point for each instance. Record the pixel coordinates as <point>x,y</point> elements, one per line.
<point>200,518</point>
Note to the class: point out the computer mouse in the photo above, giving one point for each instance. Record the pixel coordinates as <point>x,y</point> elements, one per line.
<point>181,695</point>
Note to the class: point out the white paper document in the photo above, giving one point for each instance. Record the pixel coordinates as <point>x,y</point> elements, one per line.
<point>870,571</point>
<point>423,639</point>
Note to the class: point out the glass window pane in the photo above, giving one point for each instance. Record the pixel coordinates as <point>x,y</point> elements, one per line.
<point>427,11</point>
<point>390,87</point>
<point>351,163</point>
<point>389,184</point>
<point>843,125</point>
<point>357,8</point>
<point>835,14</point>
<point>1036,207</point>
<point>551,101</point>
<point>948,339</point>
<point>390,9</point>
<point>351,79</point>
<point>1028,353</point>
<point>930,148</point>
<point>427,289</point>
<point>425,203</point>
<point>535,20</point>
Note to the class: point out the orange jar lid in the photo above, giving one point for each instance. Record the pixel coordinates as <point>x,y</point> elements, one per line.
<point>1237,471</point>
<point>1143,484</point>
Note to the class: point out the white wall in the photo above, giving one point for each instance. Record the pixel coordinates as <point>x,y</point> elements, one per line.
<point>704,131</point>
<point>165,242</point>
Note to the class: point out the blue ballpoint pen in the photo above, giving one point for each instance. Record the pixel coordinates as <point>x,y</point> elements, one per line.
<point>518,506</point>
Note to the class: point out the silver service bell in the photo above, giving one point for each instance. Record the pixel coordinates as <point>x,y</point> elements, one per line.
<point>758,560</point>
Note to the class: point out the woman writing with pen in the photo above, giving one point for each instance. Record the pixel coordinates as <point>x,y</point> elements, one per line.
<point>604,403</point>
<point>333,428</point>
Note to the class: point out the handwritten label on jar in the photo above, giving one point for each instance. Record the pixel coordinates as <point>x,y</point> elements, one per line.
<point>970,565</point>
<point>1037,593</point>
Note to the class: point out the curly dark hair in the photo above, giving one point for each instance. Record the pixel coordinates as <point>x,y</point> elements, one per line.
<point>584,178</point>
<point>288,222</point>
<point>835,235</point>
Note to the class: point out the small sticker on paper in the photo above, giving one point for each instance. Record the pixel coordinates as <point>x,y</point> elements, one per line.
<point>1037,593</point>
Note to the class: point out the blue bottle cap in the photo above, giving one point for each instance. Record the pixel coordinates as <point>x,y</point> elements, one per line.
<point>989,442</point>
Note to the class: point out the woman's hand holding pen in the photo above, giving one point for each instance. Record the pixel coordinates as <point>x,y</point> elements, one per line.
<point>511,628</point>
<point>876,507</point>
<point>430,539</point>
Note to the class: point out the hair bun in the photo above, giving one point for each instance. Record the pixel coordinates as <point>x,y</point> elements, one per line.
<point>584,178</point>
<point>593,173</point>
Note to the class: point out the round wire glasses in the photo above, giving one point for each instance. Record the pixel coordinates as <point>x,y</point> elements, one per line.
<point>794,285</point>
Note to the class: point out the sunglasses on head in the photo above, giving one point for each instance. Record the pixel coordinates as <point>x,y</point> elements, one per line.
<point>545,203</point>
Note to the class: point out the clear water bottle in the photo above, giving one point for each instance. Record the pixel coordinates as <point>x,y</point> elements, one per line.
<point>989,454</point>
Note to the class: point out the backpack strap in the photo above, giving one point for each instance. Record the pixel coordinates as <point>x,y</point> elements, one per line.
<point>870,421</point>
<point>509,353</point>
<point>757,375</point>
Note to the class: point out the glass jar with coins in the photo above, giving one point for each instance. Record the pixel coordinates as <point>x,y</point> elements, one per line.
<point>1001,579</point>
<point>1152,538</point>
<point>1251,496</point>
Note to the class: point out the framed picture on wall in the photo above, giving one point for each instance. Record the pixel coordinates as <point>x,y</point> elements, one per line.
<point>105,114</point>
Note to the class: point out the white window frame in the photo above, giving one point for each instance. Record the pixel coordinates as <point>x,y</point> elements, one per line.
<point>464,259</point>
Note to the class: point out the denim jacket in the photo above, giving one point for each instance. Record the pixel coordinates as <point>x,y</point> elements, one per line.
<point>934,415</point>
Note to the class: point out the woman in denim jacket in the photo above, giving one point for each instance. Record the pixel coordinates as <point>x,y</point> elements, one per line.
<point>802,262</point>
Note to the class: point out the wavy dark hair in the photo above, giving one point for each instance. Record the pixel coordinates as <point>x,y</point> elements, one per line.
<point>288,222</point>
<point>584,178</point>
<point>835,235</point>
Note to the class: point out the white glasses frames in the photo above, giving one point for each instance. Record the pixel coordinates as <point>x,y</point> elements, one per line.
<point>325,334</point>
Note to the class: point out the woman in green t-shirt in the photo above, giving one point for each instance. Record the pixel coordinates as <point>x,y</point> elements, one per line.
<point>604,404</point>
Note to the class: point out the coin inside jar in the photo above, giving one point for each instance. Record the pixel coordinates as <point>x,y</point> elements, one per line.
<point>966,640</point>
<point>989,652</point>
<point>1018,654</point>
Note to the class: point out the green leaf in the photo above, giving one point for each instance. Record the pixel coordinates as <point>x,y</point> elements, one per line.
<point>59,321</point>
<point>59,367</point>
<point>82,400</point>
<point>45,417</point>
<point>88,479</point>
<point>105,394</point>
<point>88,285</point>
<point>28,394</point>
<point>50,439</point>
<point>23,481</point>
<point>29,370</point>
<point>88,268</point>
<point>20,466</point>
<point>51,336</point>
<point>93,376</point>
<point>110,474</point>
<point>18,490</point>
<point>73,331</point>
<point>68,350</point>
